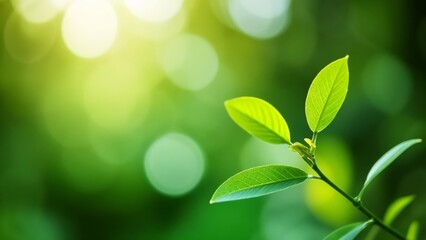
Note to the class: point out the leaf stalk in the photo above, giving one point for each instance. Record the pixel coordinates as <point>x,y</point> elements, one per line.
<point>358,204</point>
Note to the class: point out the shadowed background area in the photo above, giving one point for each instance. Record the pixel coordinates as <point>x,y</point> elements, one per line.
<point>112,123</point>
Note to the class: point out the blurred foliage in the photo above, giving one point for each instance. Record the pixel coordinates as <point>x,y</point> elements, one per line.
<point>82,103</point>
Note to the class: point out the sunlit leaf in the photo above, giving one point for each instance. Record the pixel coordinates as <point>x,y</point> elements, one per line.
<point>259,118</point>
<point>386,160</point>
<point>347,232</point>
<point>258,181</point>
<point>396,207</point>
<point>413,231</point>
<point>326,94</point>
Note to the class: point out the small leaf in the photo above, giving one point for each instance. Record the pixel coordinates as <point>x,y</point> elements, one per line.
<point>347,232</point>
<point>326,94</point>
<point>391,213</point>
<point>258,181</point>
<point>259,118</point>
<point>413,231</point>
<point>396,207</point>
<point>386,160</point>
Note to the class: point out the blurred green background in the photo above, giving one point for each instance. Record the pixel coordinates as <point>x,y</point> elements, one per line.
<point>112,124</point>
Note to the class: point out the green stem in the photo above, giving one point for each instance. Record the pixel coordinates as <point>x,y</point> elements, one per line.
<point>314,137</point>
<point>358,204</point>
<point>314,140</point>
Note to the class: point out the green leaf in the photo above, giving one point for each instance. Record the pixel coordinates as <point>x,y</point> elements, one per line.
<point>396,207</point>
<point>413,231</point>
<point>348,232</point>
<point>258,181</point>
<point>259,118</point>
<point>391,213</point>
<point>386,160</point>
<point>326,94</point>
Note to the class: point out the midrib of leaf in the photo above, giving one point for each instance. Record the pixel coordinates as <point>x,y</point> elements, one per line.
<point>289,177</point>
<point>264,180</point>
<point>327,98</point>
<point>270,184</point>
<point>267,183</point>
<point>263,186</point>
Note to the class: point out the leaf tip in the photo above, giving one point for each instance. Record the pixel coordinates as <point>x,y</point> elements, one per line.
<point>214,198</point>
<point>345,60</point>
<point>415,140</point>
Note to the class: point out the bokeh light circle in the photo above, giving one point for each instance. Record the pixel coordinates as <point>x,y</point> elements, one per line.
<point>26,42</point>
<point>174,164</point>
<point>154,10</point>
<point>89,27</point>
<point>265,8</point>
<point>60,4</point>
<point>260,18</point>
<point>190,62</point>
<point>36,11</point>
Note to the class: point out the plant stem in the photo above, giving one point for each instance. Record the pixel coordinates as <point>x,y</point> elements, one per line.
<point>314,137</point>
<point>358,204</point>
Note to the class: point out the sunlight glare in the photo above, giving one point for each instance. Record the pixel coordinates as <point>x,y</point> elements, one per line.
<point>36,11</point>
<point>89,27</point>
<point>154,10</point>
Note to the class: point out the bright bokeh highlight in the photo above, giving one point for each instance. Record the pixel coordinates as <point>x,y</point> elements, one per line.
<point>260,18</point>
<point>61,4</point>
<point>190,62</point>
<point>89,27</point>
<point>154,10</point>
<point>36,11</point>
<point>174,164</point>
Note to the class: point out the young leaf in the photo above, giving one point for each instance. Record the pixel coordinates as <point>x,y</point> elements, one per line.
<point>347,232</point>
<point>259,118</point>
<point>258,181</point>
<point>413,230</point>
<point>391,213</point>
<point>396,207</point>
<point>326,94</point>
<point>386,160</point>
